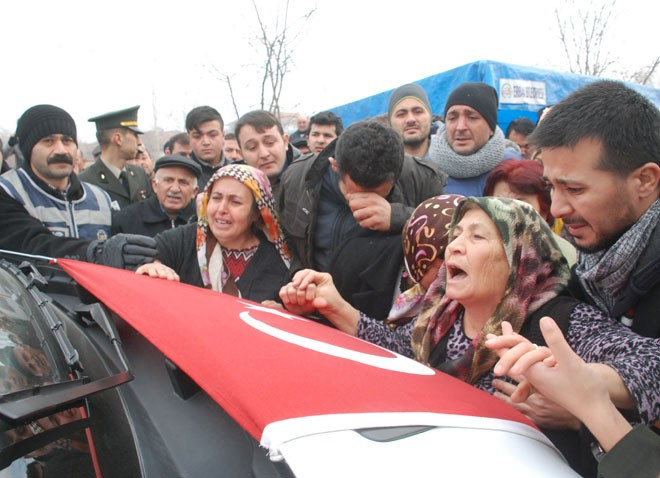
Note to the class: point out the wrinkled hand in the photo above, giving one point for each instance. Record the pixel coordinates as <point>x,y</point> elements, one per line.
<point>308,291</point>
<point>516,352</point>
<point>370,210</point>
<point>158,269</point>
<point>517,355</point>
<point>561,378</point>
<point>567,379</point>
<point>298,295</point>
<point>311,291</point>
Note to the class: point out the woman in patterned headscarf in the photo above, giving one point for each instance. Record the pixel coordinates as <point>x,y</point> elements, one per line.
<point>501,264</point>
<point>424,238</point>
<point>237,245</point>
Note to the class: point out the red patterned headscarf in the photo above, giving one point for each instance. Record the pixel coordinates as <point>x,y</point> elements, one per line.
<point>257,182</point>
<point>424,239</point>
<point>425,234</point>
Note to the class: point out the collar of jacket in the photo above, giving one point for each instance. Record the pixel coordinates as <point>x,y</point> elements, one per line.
<point>206,167</point>
<point>154,213</point>
<point>74,192</point>
<point>322,162</point>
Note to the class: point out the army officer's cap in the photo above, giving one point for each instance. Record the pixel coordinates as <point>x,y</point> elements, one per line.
<point>126,118</point>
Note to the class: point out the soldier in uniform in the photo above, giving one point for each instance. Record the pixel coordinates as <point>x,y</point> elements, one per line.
<point>117,133</point>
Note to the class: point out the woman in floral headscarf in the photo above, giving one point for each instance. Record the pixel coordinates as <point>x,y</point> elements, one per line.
<point>237,245</point>
<point>501,264</point>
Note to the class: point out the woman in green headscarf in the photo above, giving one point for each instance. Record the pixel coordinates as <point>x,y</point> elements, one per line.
<point>501,264</point>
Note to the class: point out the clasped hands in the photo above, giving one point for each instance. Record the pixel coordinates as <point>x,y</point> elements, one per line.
<point>537,372</point>
<point>310,291</point>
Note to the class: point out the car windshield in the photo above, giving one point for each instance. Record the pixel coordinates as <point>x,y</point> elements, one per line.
<point>28,353</point>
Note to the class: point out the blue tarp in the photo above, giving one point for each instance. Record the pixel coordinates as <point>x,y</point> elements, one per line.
<point>522,90</point>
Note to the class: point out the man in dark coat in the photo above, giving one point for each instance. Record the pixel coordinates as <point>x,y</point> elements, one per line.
<point>205,128</point>
<point>601,158</point>
<point>265,145</point>
<point>117,133</point>
<point>344,210</point>
<point>172,204</point>
<point>44,208</point>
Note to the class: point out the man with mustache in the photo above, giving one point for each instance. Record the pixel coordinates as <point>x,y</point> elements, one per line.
<point>601,159</point>
<point>470,144</point>
<point>46,186</point>
<point>46,210</point>
<point>117,133</point>
<point>171,205</point>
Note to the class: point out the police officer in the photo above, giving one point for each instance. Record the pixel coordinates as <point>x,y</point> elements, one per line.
<point>46,210</point>
<point>117,133</point>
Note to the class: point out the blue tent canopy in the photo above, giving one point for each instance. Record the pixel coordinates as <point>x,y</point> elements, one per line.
<point>522,90</point>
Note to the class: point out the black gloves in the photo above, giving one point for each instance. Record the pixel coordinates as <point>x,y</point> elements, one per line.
<point>124,251</point>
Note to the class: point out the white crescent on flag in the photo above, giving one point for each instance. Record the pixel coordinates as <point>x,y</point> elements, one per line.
<point>265,365</point>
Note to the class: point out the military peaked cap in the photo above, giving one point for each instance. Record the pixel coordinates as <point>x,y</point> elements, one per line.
<point>126,118</point>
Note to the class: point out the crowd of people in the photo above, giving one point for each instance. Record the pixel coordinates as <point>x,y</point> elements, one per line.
<point>525,263</point>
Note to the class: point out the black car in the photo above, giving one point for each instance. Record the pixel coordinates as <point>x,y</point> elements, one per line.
<point>72,406</point>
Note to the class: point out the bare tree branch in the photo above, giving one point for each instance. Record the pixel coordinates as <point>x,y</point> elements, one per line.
<point>645,80</point>
<point>278,47</point>
<point>227,79</point>
<point>583,36</point>
<point>231,94</point>
<point>275,43</point>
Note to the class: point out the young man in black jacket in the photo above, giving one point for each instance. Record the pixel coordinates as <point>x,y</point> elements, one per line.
<point>343,210</point>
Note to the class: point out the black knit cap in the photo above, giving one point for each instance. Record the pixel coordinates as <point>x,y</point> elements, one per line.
<point>41,121</point>
<point>410,90</point>
<point>480,96</point>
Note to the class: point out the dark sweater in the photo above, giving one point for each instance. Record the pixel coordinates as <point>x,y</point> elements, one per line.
<point>262,279</point>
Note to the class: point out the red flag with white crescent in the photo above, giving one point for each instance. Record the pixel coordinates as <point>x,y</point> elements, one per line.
<point>265,365</point>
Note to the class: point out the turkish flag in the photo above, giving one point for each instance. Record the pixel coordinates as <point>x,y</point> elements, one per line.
<point>264,365</point>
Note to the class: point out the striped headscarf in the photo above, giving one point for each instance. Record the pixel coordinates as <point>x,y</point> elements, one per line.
<point>257,182</point>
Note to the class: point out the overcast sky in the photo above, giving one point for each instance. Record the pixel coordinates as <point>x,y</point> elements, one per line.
<point>90,57</point>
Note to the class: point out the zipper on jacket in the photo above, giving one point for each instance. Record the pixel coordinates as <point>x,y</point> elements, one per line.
<point>73,226</point>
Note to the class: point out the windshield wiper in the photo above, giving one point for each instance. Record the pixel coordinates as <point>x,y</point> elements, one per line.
<point>42,400</point>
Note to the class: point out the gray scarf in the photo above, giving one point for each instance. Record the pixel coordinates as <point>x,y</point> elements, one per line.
<point>476,164</point>
<point>605,274</point>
